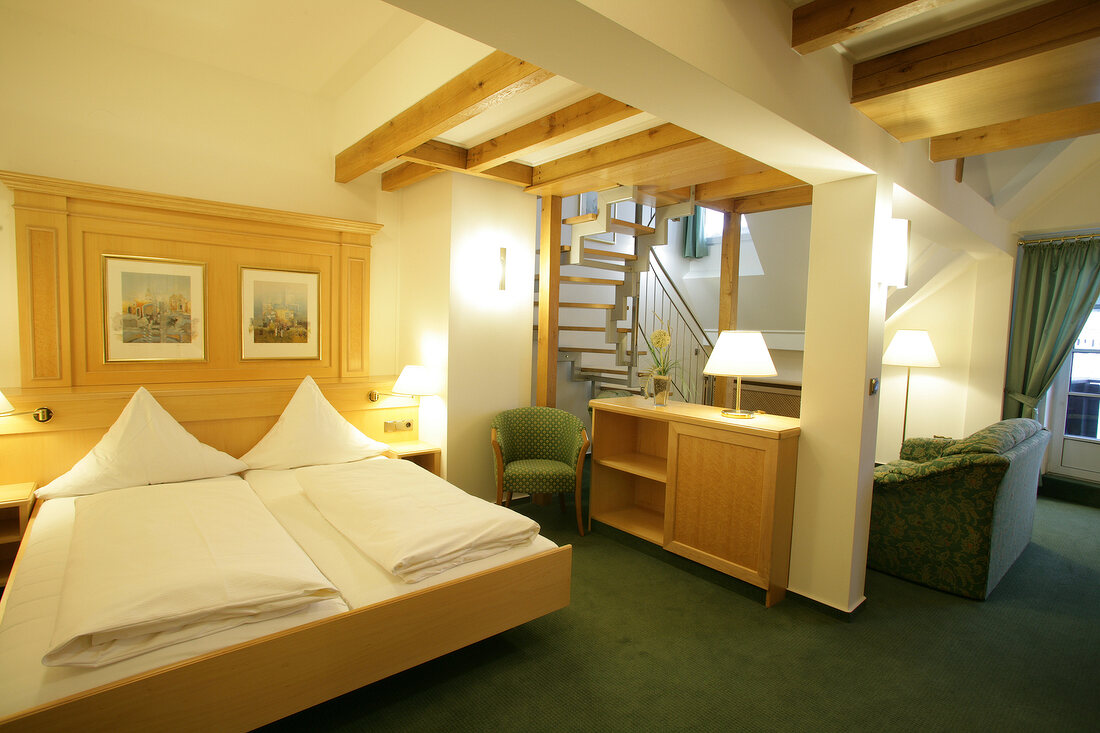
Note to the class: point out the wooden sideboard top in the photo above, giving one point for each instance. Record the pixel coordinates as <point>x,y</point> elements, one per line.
<point>765,426</point>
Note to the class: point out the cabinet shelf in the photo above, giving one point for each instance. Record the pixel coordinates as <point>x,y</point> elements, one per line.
<point>639,464</point>
<point>636,520</point>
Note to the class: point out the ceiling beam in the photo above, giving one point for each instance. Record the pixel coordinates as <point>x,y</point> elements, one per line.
<point>1036,61</point>
<point>406,174</point>
<point>785,199</point>
<point>439,154</point>
<point>584,116</point>
<point>1046,128</point>
<point>495,78</point>
<point>588,163</point>
<point>768,179</point>
<point>822,23</point>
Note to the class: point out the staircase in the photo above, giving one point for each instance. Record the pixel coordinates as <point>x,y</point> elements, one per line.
<point>631,289</point>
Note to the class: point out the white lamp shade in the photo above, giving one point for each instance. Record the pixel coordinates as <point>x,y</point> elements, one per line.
<point>740,354</point>
<point>416,380</point>
<point>911,348</point>
<point>5,406</point>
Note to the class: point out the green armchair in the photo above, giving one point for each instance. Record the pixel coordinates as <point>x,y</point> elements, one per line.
<point>539,450</point>
<point>955,514</point>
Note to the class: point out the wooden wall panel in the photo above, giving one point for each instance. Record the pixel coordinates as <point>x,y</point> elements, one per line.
<point>355,309</point>
<point>43,279</point>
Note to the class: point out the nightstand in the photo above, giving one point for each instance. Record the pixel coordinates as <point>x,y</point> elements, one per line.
<point>421,453</point>
<point>16,501</point>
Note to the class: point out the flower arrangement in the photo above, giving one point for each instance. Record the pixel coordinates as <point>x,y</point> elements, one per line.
<point>659,342</point>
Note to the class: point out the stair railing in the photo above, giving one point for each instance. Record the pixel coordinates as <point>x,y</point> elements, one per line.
<point>660,305</point>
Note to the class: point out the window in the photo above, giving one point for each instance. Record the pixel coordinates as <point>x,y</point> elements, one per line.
<point>1083,398</point>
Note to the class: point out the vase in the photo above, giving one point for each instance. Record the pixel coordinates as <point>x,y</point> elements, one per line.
<point>662,388</point>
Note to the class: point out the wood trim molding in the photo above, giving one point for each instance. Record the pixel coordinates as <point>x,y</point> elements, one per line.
<point>129,197</point>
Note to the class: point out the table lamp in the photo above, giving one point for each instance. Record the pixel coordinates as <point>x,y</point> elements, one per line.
<point>740,354</point>
<point>910,348</point>
<point>414,381</point>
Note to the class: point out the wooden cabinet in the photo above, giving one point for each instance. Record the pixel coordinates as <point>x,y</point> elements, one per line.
<point>717,490</point>
<point>421,453</point>
<point>16,501</point>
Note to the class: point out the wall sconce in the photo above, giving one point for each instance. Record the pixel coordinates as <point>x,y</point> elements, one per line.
<point>892,254</point>
<point>414,381</point>
<point>42,414</point>
<point>503,265</point>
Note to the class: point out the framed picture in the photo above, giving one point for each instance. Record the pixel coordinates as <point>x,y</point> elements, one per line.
<point>280,314</point>
<point>153,309</point>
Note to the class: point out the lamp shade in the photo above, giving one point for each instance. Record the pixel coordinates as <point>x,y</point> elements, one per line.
<point>416,380</point>
<point>911,348</point>
<point>740,354</point>
<point>5,406</point>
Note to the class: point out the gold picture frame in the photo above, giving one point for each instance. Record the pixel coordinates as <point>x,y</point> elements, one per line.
<point>280,313</point>
<point>153,309</point>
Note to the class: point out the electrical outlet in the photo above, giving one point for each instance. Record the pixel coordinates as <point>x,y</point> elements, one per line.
<point>392,426</point>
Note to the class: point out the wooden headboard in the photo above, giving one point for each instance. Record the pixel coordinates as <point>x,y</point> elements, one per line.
<point>64,233</point>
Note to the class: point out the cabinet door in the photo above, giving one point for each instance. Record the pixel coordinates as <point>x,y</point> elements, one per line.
<point>720,501</point>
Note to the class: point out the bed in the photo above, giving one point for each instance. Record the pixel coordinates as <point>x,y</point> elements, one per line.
<point>252,674</point>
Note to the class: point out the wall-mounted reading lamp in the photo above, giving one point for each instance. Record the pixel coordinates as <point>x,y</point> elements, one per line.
<point>414,381</point>
<point>42,414</point>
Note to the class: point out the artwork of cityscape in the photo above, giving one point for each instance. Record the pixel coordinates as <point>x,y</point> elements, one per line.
<point>156,308</point>
<point>280,312</point>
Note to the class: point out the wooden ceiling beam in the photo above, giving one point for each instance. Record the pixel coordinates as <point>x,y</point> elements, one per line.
<point>439,154</point>
<point>589,163</point>
<point>767,179</point>
<point>488,82</point>
<point>584,116</point>
<point>1039,60</point>
<point>822,23</point>
<point>785,199</point>
<point>406,174</point>
<point>1045,128</point>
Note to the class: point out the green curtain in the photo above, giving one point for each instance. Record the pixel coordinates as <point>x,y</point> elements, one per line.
<point>1057,284</point>
<point>695,243</point>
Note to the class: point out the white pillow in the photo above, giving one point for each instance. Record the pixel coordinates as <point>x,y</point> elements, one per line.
<point>310,432</point>
<point>145,446</point>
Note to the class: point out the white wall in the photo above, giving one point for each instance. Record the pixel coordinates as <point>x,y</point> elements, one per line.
<point>489,335</point>
<point>83,109</point>
<point>967,320</point>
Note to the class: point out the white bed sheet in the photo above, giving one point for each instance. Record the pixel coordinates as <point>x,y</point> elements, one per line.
<point>30,610</point>
<point>361,581</point>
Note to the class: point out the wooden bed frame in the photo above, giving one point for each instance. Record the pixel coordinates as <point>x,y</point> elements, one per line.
<point>62,230</point>
<point>257,682</point>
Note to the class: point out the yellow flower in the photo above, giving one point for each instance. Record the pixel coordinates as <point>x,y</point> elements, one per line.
<point>660,339</point>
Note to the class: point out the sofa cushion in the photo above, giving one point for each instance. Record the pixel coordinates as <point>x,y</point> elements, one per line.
<point>997,438</point>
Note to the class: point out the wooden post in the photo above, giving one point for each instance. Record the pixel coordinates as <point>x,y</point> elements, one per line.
<point>727,295</point>
<point>546,392</point>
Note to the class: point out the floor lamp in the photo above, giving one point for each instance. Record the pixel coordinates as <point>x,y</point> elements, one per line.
<point>910,349</point>
<point>740,354</point>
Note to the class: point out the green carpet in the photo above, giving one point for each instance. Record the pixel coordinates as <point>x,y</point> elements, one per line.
<point>646,646</point>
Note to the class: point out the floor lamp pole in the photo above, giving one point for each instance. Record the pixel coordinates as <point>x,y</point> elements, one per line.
<point>905,411</point>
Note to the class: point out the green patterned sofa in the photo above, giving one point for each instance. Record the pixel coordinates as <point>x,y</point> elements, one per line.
<point>955,514</point>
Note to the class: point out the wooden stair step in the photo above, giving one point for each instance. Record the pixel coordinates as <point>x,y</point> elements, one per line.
<point>597,306</point>
<point>581,218</point>
<point>585,328</point>
<point>595,370</point>
<point>586,280</point>
<point>629,228</point>
<point>587,350</point>
<point>588,251</point>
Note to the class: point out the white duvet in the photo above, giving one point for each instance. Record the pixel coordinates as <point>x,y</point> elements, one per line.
<point>151,566</point>
<point>408,520</point>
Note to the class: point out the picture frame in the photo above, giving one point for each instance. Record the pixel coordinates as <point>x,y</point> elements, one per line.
<point>154,309</point>
<point>280,314</point>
